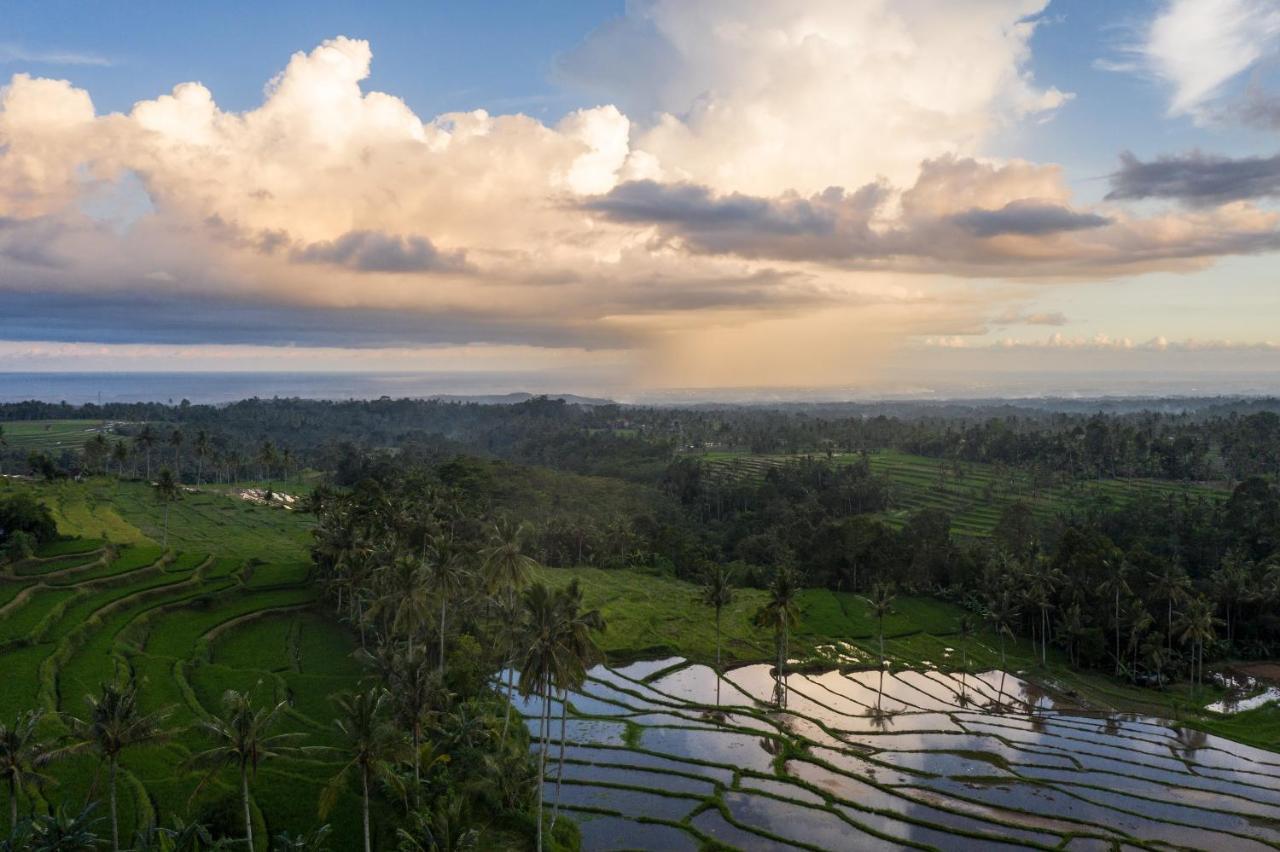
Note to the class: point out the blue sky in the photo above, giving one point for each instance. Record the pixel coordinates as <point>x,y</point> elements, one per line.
<point>647,187</point>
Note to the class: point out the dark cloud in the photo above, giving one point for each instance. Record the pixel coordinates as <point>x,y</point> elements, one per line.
<point>134,317</point>
<point>372,251</point>
<point>1026,218</point>
<point>1196,178</point>
<point>826,225</point>
<point>1259,109</point>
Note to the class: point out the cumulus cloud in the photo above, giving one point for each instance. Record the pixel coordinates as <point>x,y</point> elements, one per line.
<point>695,218</point>
<point>1196,178</point>
<point>762,97</point>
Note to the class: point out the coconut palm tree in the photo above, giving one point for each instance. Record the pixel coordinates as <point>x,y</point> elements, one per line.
<point>1116,584</point>
<point>717,593</point>
<point>577,629</point>
<point>965,628</point>
<point>1001,612</point>
<point>543,659</point>
<point>176,439</point>
<point>266,460</point>
<point>506,571</point>
<point>167,492</point>
<point>24,754</point>
<point>411,683</point>
<point>1198,627</point>
<point>1170,584</point>
<point>120,455</point>
<point>145,441</point>
<point>374,746</point>
<point>114,723</point>
<point>882,598</point>
<point>202,449</point>
<point>244,741</point>
<point>781,611</point>
<point>4,442</point>
<point>446,565</point>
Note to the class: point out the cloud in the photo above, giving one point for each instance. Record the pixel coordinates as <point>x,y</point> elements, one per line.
<point>1027,228</point>
<point>770,95</point>
<point>11,53</point>
<point>369,251</point>
<point>1196,178</point>
<point>1106,343</point>
<point>1027,217</point>
<point>1012,316</point>
<point>695,218</point>
<point>1197,46</point>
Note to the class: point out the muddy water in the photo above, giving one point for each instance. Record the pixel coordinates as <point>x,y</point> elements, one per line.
<point>873,760</point>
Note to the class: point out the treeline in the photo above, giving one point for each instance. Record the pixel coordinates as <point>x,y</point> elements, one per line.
<point>1186,440</point>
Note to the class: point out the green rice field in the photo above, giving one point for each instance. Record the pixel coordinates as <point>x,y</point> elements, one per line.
<point>974,494</point>
<point>228,605</point>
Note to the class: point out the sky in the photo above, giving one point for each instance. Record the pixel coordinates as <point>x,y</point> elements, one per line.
<point>662,194</point>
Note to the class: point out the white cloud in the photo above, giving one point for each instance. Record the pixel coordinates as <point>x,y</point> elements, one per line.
<point>772,95</point>
<point>1197,46</point>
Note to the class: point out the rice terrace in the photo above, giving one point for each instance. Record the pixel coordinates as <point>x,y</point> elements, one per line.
<point>639,426</point>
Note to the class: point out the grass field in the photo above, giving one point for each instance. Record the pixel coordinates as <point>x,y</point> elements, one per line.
<point>227,606</point>
<point>974,494</point>
<point>52,435</point>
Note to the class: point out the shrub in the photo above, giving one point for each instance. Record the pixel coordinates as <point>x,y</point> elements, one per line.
<point>23,513</point>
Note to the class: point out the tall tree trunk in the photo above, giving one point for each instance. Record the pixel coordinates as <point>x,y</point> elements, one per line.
<point>443,602</point>
<point>165,540</point>
<point>115,820</point>
<point>364,778</point>
<point>544,725</point>
<point>564,711</point>
<point>717,658</point>
<point>13,805</point>
<point>248,815</point>
<point>1117,630</point>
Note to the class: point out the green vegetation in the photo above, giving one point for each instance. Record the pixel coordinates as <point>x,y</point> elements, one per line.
<point>973,494</point>
<point>53,436</point>
<point>83,617</point>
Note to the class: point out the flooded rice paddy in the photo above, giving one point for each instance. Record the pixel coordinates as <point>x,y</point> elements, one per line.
<point>910,759</point>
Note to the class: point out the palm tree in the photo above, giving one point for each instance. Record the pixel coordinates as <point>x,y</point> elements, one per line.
<point>116,722</point>
<point>542,661</point>
<point>266,459</point>
<point>120,455</point>
<point>167,491</point>
<point>411,683</point>
<point>780,611</point>
<point>4,442</point>
<point>286,459</point>
<point>965,628</point>
<point>175,440</point>
<point>507,570</point>
<point>202,450</point>
<point>23,756</point>
<point>373,744</point>
<point>1113,586</point>
<point>581,653</point>
<point>244,741</point>
<point>145,440</point>
<point>446,565</point>
<point>1170,584</point>
<point>1198,623</point>
<point>717,593</point>
<point>1001,611</point>
<point>881,605</point>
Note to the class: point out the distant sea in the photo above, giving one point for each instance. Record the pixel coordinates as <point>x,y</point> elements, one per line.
<point>213,388</point>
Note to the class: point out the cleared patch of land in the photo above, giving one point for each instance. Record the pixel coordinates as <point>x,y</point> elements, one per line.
<point>52,435</point>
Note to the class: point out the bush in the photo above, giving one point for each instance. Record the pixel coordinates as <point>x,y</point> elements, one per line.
<point>19,546</point>
<point>23,513</point>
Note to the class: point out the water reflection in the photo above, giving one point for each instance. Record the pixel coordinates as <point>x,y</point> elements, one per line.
<point>952,761</point>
